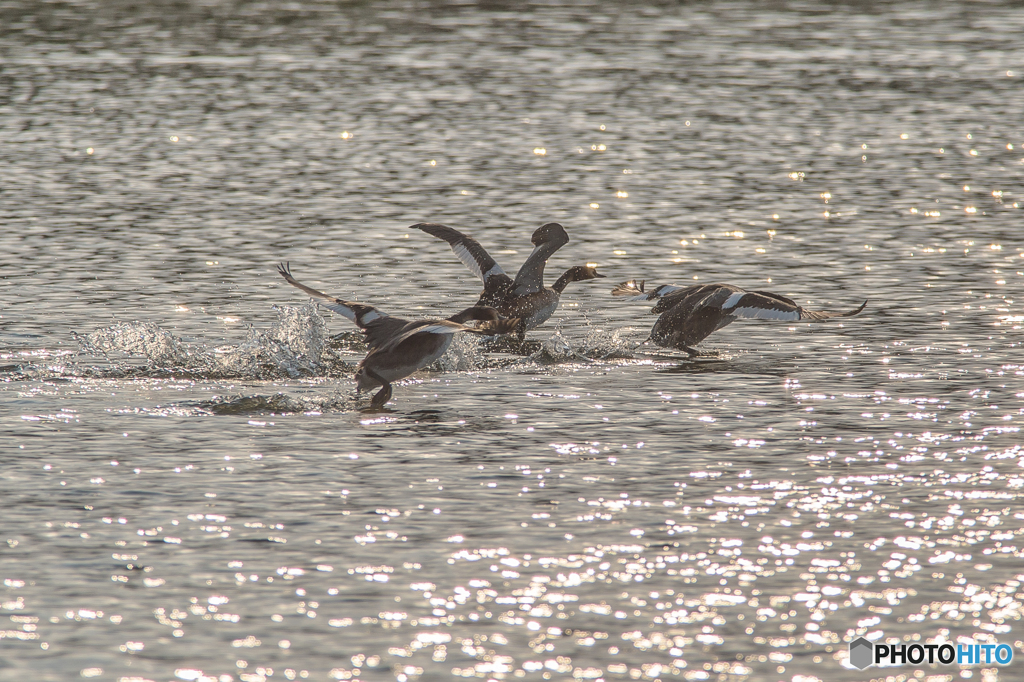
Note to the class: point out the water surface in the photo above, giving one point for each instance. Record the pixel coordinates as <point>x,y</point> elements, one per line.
<point>192,491</point>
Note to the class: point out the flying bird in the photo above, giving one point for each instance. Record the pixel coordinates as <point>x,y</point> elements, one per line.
<point>691,314</point>
<point>524,297</point>
<point>397,346</point>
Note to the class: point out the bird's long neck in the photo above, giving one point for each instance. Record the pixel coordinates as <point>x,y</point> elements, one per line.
<point>563,281</point>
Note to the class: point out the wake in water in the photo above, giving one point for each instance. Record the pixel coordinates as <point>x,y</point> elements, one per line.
<point>278,403</point>
<point>297,345</point>
<point>596,345</point>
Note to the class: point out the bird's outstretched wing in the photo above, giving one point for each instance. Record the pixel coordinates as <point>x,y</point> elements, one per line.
<point>546,239</point>
<point>447,327</point>
<point>359,313</point>
<point>765,305</point>
<point>468,250</point>
<point>824,315</point>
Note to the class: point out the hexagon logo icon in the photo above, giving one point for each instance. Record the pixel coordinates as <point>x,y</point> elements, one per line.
<point>861,653</point>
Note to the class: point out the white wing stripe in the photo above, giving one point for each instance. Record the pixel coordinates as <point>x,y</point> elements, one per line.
<point>466,257</point>
<point>733,300</point>
<point>764,314</point>
<point>495,270</point>
<point>371,316</point>
<point>342,310</point>
<point>437,329</point>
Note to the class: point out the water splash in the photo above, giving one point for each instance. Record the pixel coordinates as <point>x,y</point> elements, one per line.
<point>351,340</point>
<point>556,348</point>
<point>596,345</point>
<point>463,355</point>
<point>298,344</point>
<point>160,347</point>
<point>295,345</point>
<point>617,344</point>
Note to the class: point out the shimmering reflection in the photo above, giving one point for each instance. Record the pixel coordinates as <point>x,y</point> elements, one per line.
<point>191,491</point>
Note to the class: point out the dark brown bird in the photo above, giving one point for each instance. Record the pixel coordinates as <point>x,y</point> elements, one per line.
<point>399,347</point>
<point>691,314</point>
<point>524,297</point>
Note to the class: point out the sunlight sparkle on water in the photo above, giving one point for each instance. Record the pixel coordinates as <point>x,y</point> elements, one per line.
<point>805,485</point>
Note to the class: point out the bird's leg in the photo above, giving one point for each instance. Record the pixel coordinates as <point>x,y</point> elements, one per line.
<point>381,397</point>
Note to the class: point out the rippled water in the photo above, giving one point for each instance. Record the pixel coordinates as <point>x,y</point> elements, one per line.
<point>191,490</point>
